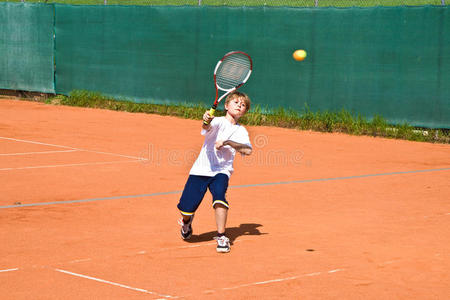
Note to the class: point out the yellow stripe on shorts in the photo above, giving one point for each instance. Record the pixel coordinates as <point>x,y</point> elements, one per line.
<point>186,213</point>
<point>221,202</point>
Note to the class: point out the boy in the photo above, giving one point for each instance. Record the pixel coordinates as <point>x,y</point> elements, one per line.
<point>214,166</point>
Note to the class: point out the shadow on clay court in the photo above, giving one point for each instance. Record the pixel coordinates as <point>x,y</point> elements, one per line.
<point>232,233</point>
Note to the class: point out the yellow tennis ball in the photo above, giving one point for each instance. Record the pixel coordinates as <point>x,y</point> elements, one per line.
<point>299,55</point>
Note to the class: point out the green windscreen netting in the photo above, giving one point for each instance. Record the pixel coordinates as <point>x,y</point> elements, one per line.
<point>296,3</point>
<point>142,53</point>
<point>390,61</point>
<point>26,47</point>
<point>393,62</point>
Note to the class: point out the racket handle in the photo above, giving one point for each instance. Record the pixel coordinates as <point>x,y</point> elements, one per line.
<point>211,113</point>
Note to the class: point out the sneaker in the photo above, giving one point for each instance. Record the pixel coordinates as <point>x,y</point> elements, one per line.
<point>186,228</point>
<point>223,244</point>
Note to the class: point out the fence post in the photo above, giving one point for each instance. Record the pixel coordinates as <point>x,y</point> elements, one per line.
<point>443,2</point>
<point>199,2</point>
<point>316,3</point>
<point>105,2</point>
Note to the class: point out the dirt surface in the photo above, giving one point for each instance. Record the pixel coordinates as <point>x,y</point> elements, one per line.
<point>88,211</point>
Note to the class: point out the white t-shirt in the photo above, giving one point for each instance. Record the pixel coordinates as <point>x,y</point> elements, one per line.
<point>211,161</point>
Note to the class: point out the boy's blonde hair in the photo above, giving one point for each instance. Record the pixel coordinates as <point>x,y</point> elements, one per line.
<point>239,95</point>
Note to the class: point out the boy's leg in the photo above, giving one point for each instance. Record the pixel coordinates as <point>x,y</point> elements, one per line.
<point>193,193</point>
<point>192,196</point>
<point>218,188</point>
<point>186,227</point>
<point>221,217</point>
<point>186,218</point>
<point>223,242</point>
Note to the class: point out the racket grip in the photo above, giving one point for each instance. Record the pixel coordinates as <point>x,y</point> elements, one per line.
<point>211,112</point>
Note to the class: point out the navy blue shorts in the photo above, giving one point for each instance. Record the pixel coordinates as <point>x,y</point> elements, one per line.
<point>195,190</point>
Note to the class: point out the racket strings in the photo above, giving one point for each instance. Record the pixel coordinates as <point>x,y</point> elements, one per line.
<point>233,71</point>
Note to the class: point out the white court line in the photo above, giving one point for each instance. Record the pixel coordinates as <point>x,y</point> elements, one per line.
<point>9,270</point>
<point>437,215</point>
<point>72,165</point>
<point>40,152</point>
<point>144,252</point>
<point>194,246</point>
<point>189,246</point>
<point>336,270</point>
<point>37,143</point>
<point>116,284</point>
<point>72,148</point>
<point>114,154</point>
<point>79,260</point>
<point>389,262</point>
<point>278,280</point>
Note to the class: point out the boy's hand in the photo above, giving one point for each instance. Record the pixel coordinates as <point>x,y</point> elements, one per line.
<point>207,117</point>
<point>219,144</point>
<point>241,148</point>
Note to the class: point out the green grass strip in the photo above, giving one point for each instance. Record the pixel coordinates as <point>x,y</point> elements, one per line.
<point>326,121</point>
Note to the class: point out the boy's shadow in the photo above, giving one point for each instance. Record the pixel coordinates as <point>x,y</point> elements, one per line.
<point>231,232</point>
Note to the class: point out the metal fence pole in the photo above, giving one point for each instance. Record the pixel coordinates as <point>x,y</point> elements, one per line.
<point>199,2</point>
<point>316,3</point>
<point>105,2</point>
<point>443,2</point>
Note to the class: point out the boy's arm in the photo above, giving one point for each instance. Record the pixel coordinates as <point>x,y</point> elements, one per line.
<point>241,148</point>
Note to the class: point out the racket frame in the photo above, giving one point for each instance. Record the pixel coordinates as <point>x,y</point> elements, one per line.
<point>227,91</point>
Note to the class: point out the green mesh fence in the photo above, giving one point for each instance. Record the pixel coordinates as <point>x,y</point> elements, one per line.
<point>144,53</point>
<point>26,47</point>
<point>393,62</point>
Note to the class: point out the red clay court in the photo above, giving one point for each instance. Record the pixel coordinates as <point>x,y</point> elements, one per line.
<point>88,211</point>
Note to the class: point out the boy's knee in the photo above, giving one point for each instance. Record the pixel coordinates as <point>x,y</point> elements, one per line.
<point>220,204</point>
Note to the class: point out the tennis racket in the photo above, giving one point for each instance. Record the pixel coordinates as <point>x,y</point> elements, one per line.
<point>231,72</point>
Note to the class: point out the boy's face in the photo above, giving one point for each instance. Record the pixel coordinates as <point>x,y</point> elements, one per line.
<point>236,107</point>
